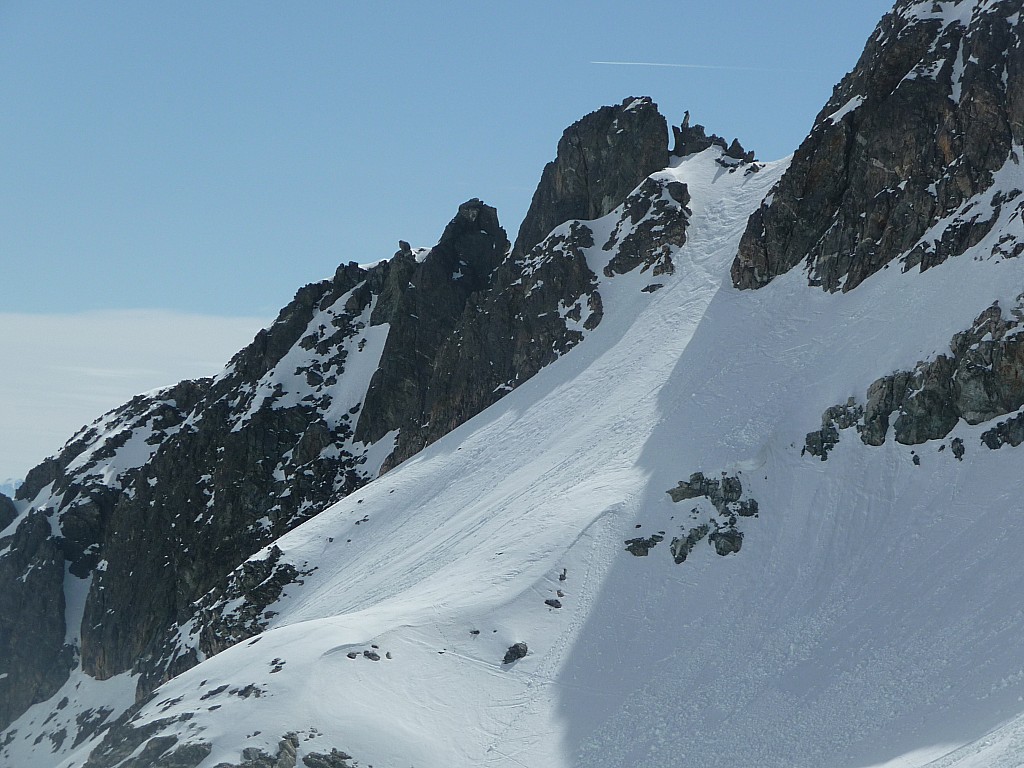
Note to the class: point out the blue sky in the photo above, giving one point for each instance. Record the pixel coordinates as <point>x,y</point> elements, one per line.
<point>205,159</point>
<point>212,157</point>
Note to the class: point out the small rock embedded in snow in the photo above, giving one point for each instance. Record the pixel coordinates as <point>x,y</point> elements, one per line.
<point>515,652</point>
<point>958,448</point>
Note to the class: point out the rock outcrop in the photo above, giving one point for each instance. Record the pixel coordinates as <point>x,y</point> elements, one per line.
<point>719,526</point>
<point>912,137</point>
<point>981,379</point>
<point>515,652</point>
<point>691,139</point>
<point>33,654</point>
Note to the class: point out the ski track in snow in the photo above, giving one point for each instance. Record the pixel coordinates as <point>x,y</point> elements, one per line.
<point>869,620</point>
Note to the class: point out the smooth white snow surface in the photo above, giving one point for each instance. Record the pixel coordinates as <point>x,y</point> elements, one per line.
<point>874,616</point>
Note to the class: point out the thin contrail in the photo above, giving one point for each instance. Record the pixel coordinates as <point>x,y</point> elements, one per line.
<point>696,66</point>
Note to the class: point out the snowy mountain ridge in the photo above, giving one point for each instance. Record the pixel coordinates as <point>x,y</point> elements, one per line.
<point>379,585</point>
<point>657,499</point>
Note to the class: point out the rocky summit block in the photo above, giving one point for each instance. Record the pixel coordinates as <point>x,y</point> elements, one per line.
<point>601,158</point>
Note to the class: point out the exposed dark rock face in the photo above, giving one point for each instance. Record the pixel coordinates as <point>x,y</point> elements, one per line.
<point>426,304</point>
<point>835,418</point>
<point>726,541</point>
<point>227,614</point>
<point>33,657</point>
<point>128,736</point>
<point>641,546</point>
<point>1009,432</point>
<point>501,336</point>
<point>165,495</point>
<point>682,546</point>
<point>601,159</point>
<point>543,297</point>
<point>7,511</point>
<point>123,739</point>
<point>286,757</point>
<point>980,379</point>
<point>653,223</point>
<point>247,462</point>
<point>724,494</point>
<point>958,448</point>
<point>333,759</point>
<point>538,309</point>
<point>914,132</point>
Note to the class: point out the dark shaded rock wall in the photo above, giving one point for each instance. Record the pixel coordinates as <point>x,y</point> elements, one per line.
<point>7,511</point>
<point>940,108</point>
<point>33,657</point>
<point>690,139</point>
<point>238,473</point>
<point>508,333</point>
<point>429,299</point>
<point>541,297</point>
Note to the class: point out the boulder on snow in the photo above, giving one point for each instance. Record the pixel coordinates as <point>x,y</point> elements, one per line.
<point>639,547</point>
<point>726,541</point>
<point>515,652</point>
<point>958,448</point>
<point>335,759</point>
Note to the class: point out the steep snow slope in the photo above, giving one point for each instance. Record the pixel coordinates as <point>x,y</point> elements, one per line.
<point>870,617</point>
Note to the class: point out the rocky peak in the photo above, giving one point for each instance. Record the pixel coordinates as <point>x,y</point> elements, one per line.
<point>472,245</point>
<point>601,159</point>
<point>912,137</point>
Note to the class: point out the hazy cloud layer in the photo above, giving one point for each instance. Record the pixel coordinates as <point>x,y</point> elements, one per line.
<point>62,371</point>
